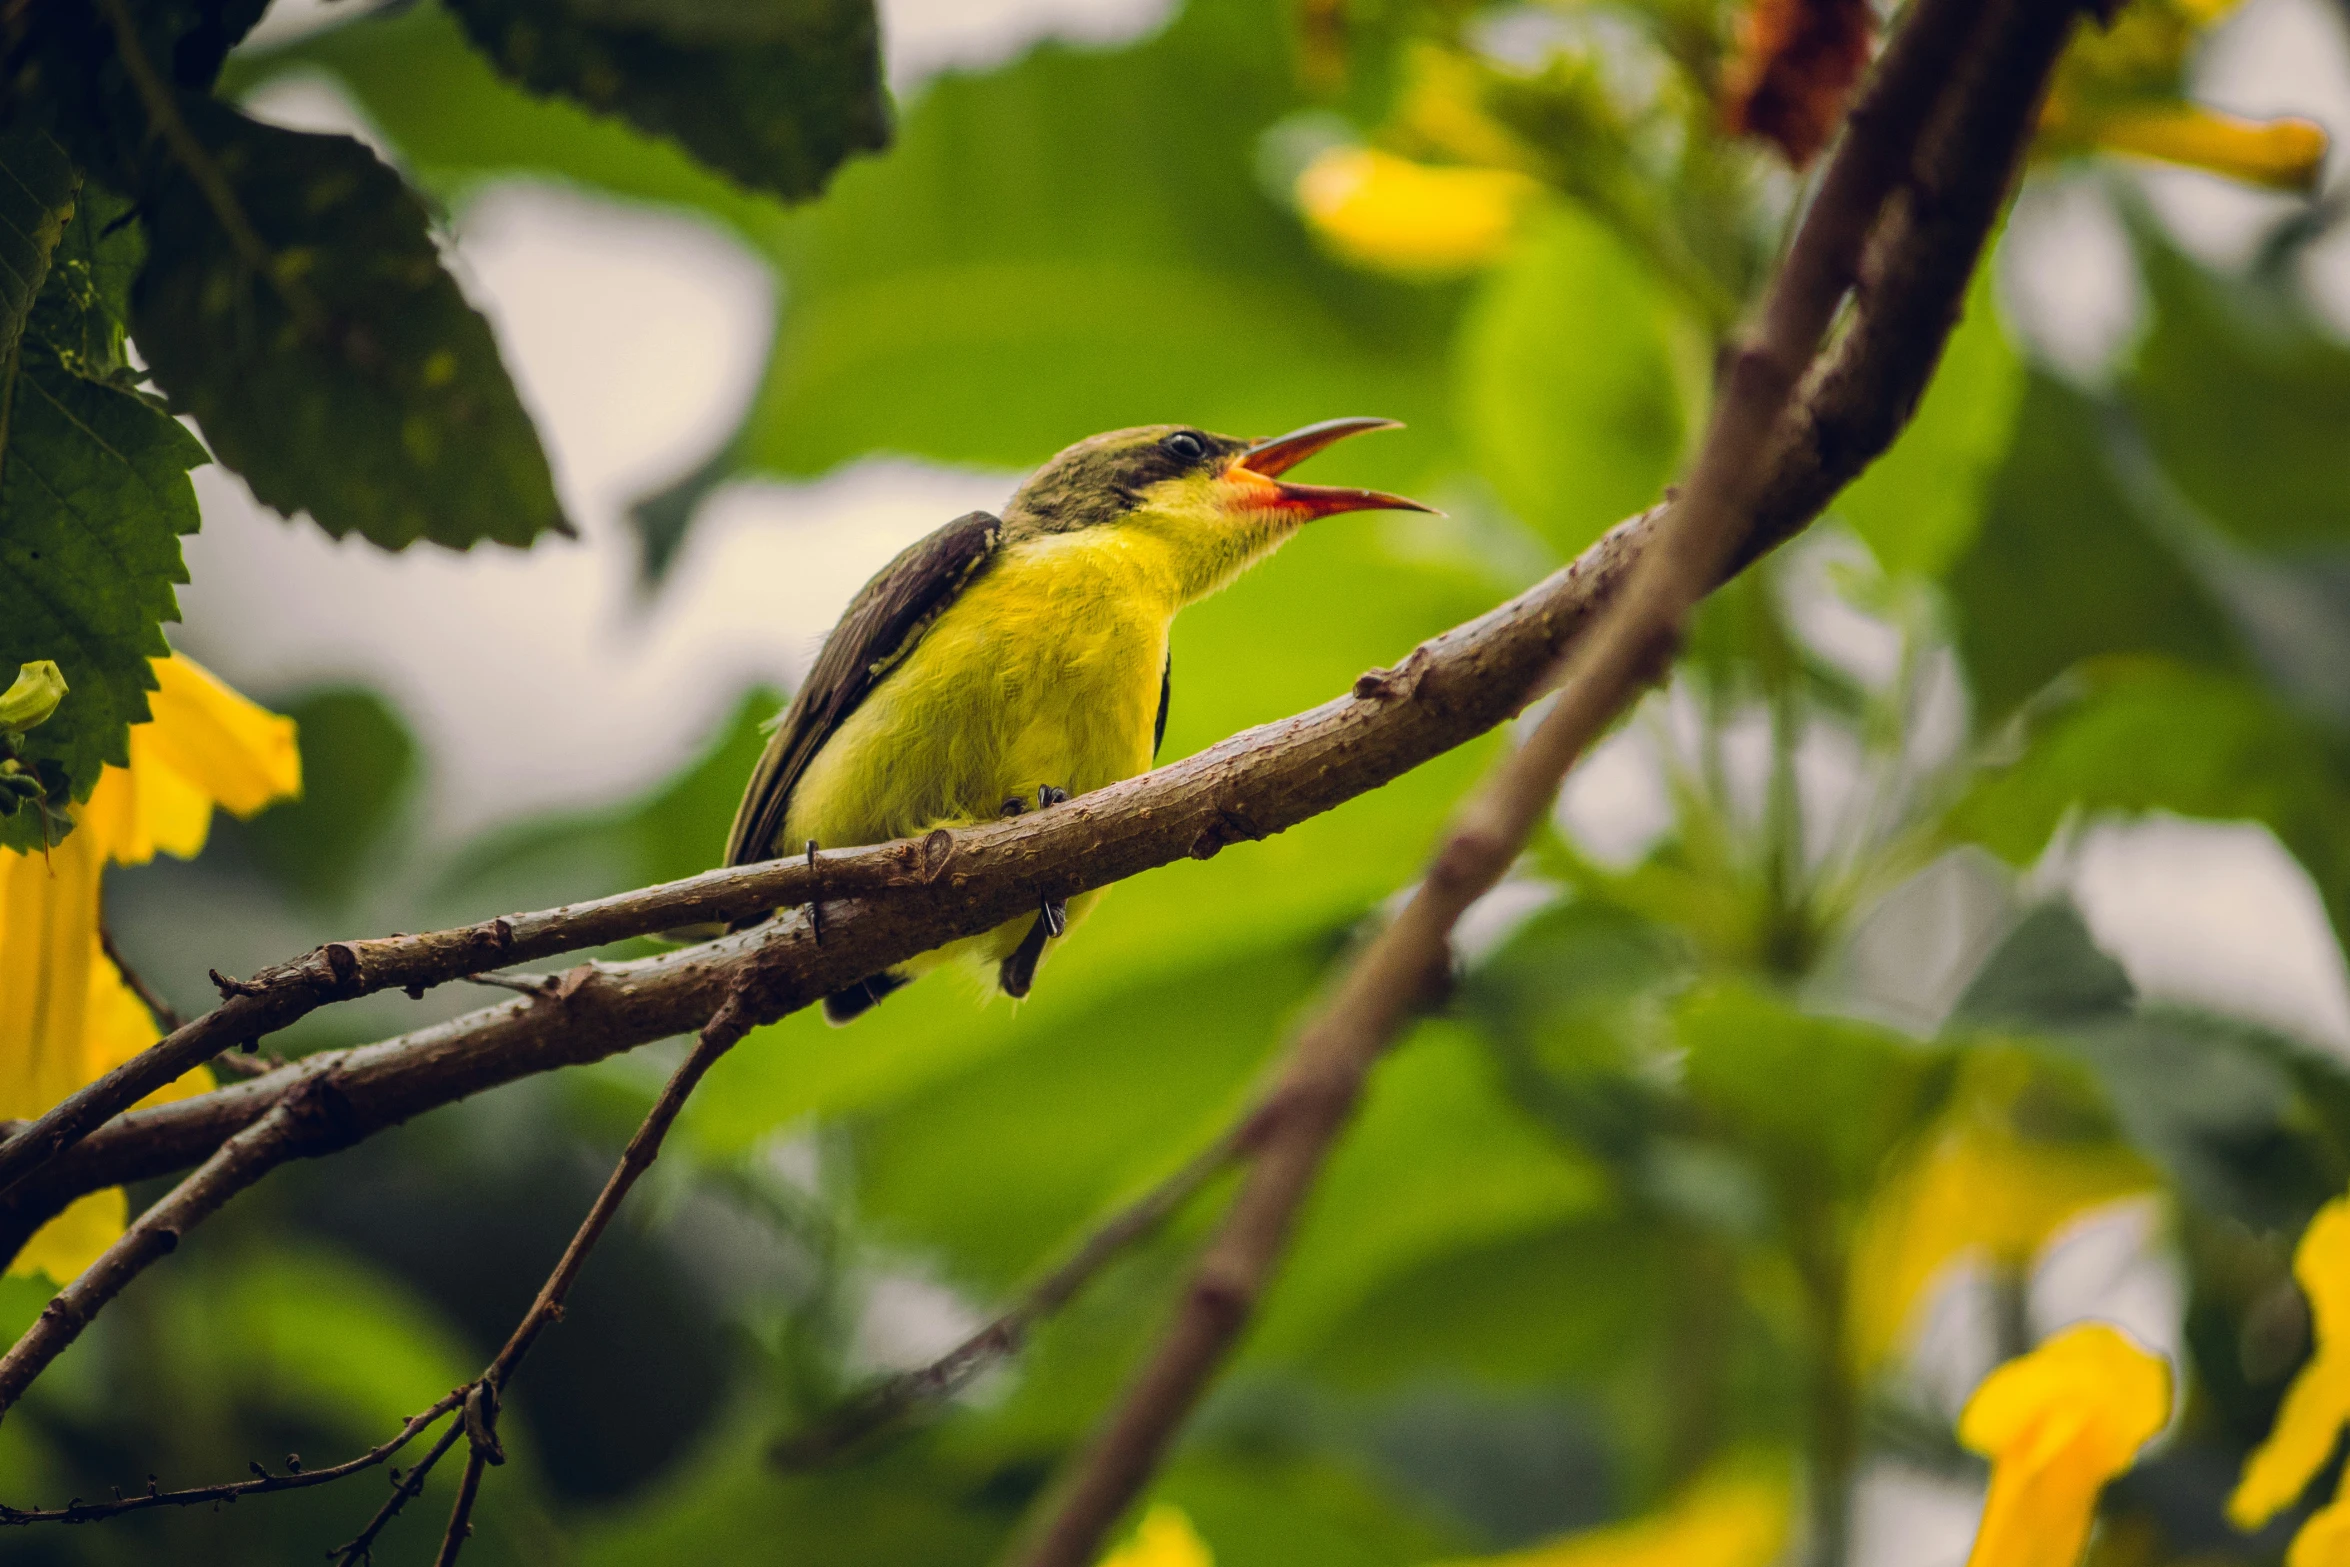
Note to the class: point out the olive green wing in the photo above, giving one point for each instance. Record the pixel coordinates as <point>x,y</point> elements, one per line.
<point>880,626</point>
<point>1166,692</point>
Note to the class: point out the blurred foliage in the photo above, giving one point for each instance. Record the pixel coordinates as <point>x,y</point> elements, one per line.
<point>1722,1130</point>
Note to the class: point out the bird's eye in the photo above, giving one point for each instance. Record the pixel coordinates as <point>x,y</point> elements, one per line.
<point>1186,446</point>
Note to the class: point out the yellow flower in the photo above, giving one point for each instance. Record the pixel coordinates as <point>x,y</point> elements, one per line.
<point>1731,1518</point>
<point>2318,1402</point>
<point>66,1015</point>
<point>1976,1191</point>
<point>2283,154</point>
<point>1413,218</point>
<point>2057,1424</point>
<point>1165,1539</point>
<point>2123,89</point>
<point>2324,1541</point>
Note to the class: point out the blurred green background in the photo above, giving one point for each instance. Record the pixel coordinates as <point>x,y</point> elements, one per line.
<point>2005,819</point>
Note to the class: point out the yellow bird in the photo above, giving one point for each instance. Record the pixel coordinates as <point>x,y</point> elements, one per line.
<point>1006,663</point>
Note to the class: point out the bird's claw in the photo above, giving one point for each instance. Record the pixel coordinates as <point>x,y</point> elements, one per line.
<point>1019,970</point>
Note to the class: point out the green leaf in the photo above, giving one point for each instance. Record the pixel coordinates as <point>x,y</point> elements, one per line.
<point>36,202</point>
<point>775,93</point>
<point>342,373</point>
<point>2146,737</point>
<point>94,495</point>
<point>357,762</point>
<point>1062,1126</point>
<point>2227,1109</point>
<point>1567,1305</point>
<point>1566,384</point>
<point>2064,569</point>
<point>1439,1162</point>
<point>2244,399</point>
<point>1258,1509</point>
<point>2214,1103</point>
<point>1920,505</point>
<point>21,1298</point>
<point>1819,1101</point>
<point>2045,973</point>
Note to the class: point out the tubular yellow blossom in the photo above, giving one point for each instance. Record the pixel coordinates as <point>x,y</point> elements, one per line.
<point>1164,1539</point>
<point>2057,1424</point>
<point>66,1016</point>
<point>1412,218</point>
<point>2324,1541</point>
<point>2283,154</point>
<point>2122,89</point>
<point>2318,1402</point>
<point>1976,1191</point>
<point>1731,1518</point>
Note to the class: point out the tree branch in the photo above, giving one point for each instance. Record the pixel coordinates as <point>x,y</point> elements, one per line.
<point>1984,100</point>
<point>361,1548</point>
<point>884,904</point>
<point>79,1511</point>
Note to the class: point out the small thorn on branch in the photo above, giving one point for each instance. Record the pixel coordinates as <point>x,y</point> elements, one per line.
<point>229,988</point>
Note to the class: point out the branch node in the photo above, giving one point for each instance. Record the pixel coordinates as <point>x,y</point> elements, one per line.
<point>938,848</point>
<point>481,1420</point>
<point>233,987</point>
<point>344,963</point>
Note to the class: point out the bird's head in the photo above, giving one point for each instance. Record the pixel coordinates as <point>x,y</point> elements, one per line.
<point>1218,500</point>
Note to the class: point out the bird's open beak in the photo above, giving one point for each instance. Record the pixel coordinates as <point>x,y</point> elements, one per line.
<point>1258,472</point>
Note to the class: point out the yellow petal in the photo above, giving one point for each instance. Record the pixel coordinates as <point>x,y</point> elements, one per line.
<point>48,927</point>
<point>1728,1519</point>
<point>2057,1424</point>
<point>1980,1191</point>
<point>1413,218</point>
<point>2318,1402</point>
<point>239,753</point>
<point>116,1026</point>
<point>2283,154</point>
<point>2324,1541</point>
<point>1165,1539</point>
<point>67,1244</point>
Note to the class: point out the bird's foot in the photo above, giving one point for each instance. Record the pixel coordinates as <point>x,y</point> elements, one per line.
<point>1046,795</point>
<point>1018,972</point>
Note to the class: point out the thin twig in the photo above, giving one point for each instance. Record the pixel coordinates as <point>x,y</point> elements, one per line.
<point>735,1017</point>
<point>90,1512</point>
<point>361,1548</point>
<point>527,984</point>
<point>242,1062</point>
<point>891,1399</point>
<point>1924,77</point>
<point>166,1016</point>
<point>461,1511</point>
